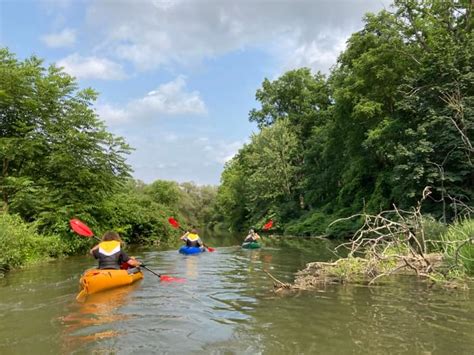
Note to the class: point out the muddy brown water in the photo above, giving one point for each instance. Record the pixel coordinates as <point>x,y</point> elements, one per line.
<point>226,306</point>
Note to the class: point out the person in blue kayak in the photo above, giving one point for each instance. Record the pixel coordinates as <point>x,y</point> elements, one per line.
<point>252,236</point>
<point>192,239</point>
<point>109,253</point>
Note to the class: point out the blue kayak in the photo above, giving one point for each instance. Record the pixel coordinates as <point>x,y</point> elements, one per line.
<point>190,250</point>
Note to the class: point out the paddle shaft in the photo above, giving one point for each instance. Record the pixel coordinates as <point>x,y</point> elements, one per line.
<point>154,273</point>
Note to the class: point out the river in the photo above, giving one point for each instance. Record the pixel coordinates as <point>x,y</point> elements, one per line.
<point>226,306</point>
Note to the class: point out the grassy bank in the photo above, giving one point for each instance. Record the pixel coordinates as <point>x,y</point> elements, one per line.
<point>21,244</point>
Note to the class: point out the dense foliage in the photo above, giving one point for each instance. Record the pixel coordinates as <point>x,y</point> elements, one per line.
<point>394,115</point>
<point>140,212</point>
<point>57,157</point>
<point>59,161</point>
<point>21,244</point>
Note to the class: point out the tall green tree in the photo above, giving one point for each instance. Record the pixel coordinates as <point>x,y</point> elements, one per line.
<point>57,158</point>
<point>297,96</point>
<point>394,116</point>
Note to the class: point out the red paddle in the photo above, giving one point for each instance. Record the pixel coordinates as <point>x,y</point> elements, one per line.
<point>83,230</point>
<point>174,223</point>
<point>268,225</point>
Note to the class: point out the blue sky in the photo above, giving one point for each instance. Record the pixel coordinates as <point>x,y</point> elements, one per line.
<point>177,78</point>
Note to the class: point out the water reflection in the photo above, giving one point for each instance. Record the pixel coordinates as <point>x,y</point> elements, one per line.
<point>95,318</point>
<point>192,266</point>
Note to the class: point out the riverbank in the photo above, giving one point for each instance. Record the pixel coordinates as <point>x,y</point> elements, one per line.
<point>447,260</point>
<point>21,245</point>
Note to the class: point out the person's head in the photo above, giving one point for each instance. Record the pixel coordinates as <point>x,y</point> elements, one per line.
<point>194,231</point>
<point>110,235</point>
<point>251,231</point>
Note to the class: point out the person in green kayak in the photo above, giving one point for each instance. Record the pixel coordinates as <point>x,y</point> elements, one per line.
<point>192,239</point>
<point>109,253</point>
<point>252,236</point>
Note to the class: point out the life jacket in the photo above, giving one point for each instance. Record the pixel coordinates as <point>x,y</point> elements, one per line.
<point>109,254</point>
<point>192,240</point>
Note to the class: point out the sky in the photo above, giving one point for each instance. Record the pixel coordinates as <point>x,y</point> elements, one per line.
<point>177,78</point>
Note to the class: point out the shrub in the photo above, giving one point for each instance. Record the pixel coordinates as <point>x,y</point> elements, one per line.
<point>459,245</point>
<point>21,244</point>
<point>434,231</point>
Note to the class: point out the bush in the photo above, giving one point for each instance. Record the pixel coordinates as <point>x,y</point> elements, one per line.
<point>459,239</point>
<point>434,231</point>
<point>312,223</point>
<point>318,223</point>
<point>20,243</point>
<point>344,228</point>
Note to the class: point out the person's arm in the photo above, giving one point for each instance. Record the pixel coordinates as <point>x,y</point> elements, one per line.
<point>184,236</point>
<point>257,236</point>
<point>130,261</point>
<point>94,250</point>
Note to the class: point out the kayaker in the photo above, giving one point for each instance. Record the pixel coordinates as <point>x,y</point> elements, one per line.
<point>252,236</point>
<point>192,239</point>
<point>110,254</point>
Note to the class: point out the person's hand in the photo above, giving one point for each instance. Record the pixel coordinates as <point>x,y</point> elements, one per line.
<point>134,262</point>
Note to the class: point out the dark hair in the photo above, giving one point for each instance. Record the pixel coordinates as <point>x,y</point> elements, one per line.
<point>194,231</point>
<point>110,235</point>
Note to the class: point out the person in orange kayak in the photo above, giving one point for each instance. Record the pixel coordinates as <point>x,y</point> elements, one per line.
<point>192,239</point>
<point>110,254</point>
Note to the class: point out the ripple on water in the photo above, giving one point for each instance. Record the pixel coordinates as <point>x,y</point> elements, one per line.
<point>226,305</point>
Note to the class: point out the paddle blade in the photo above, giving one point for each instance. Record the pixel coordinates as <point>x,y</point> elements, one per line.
<point>174,223</point>
<point>82,296</point>
<point>166,278</point>
<point>80,228</point>
<point>268,225</point>
<point>211,249</point>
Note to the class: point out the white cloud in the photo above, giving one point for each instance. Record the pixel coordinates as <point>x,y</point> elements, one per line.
<point>151,33</point>
<point>91,67</point>
<point>219,151</point>
<point>111,114</point>
<point>65,38</point>
<point>171,137</point>
<point>226,151</point>
<point>168,99</point>
<point>183,159</point>
<point>319,54</point>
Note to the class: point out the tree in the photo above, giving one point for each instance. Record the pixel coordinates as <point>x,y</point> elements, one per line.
<point>395,115</point>
<point>297,96</point>
<point>57,158</point>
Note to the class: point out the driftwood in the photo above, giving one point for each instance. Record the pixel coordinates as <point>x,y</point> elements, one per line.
<point>278,286</point>
<point>388,243</point>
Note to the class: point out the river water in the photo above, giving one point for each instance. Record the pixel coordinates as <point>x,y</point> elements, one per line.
<point>226,306</point>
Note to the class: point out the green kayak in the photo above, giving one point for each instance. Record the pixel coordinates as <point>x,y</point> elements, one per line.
<point>251,245</point>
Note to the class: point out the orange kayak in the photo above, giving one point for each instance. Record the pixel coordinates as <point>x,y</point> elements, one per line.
<point>96,280</point>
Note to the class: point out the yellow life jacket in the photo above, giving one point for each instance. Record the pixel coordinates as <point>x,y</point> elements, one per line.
<point>110,247</point>
<point>192,237</point>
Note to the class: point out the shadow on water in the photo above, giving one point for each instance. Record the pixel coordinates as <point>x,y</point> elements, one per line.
<point>226,306</point>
